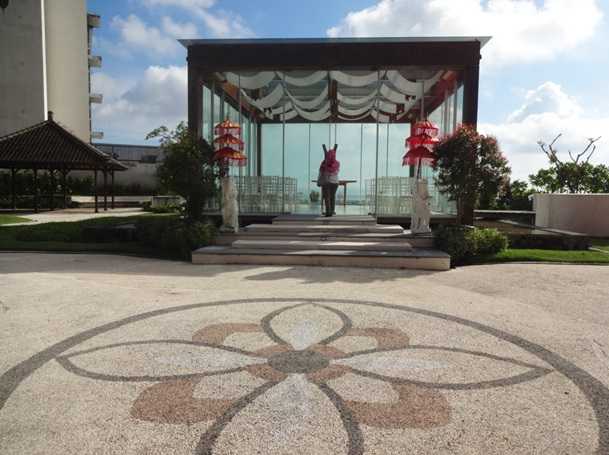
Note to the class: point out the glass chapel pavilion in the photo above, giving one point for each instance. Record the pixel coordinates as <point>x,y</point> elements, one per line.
<point>293,95</point>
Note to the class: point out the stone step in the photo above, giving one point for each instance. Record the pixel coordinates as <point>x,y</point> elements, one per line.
<point>277,244</point>
<point>326,228</point>
<point>421,259</point>
<point>334,220</point>
<point>414,241</point>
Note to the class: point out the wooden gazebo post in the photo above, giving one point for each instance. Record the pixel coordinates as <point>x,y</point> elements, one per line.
<point>64,187</point>
<point>112,189</point>
<point>52,181</point>
<point>105,190</point>
<point>95,190</point>
<point>13,192</point>
<point>35,190</point>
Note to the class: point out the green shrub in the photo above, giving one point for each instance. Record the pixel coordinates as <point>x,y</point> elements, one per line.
<point>464,243</point>
<point>50,232</point>
<point>169,208</point>
<point>174,238</point>
<point>489,241</point>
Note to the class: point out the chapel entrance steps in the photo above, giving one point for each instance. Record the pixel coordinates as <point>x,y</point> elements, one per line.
<point>347,241</point>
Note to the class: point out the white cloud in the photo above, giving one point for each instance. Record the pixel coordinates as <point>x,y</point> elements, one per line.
<point>548,97</point>
<point>186,4</point>
<point>136,34</point>
<point>178,30</point>
<point>522,30</point>
<point>112,88</point>
<point>547,111</point>
<point>220,24</point>
<point>158,98</point>
<point>225,24</point>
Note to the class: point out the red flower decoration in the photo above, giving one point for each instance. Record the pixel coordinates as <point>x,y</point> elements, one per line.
<point>419,156</point>
<point>228,145</point>
<point>420,145</point>
<point>227,127</point>
<point>227,155</point>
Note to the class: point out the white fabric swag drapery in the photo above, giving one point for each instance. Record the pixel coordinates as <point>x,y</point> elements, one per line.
<point>382,93</point>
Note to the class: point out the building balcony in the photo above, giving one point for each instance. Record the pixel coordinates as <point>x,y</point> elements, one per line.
<point>95,61</point>
<point>93,20</point>
<point>96,98</point>
<point>97,135</point>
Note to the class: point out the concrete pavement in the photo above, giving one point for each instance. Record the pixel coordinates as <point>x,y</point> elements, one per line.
<point>74,215</point>
<point>109,354</point>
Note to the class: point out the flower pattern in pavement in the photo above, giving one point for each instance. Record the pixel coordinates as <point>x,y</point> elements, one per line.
<point>324,356</point>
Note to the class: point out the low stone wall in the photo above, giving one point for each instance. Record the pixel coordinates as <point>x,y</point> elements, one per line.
<point>583,213</point>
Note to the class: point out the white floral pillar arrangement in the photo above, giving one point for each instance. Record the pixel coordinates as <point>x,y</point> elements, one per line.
<point>421,211</point>
<point>420,152</point>
<point>230,206</point>
<point>229,146</point>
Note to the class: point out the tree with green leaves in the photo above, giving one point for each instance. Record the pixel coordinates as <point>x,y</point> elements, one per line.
<point>187,168</point>
<point>470,168</point>
<point>515,195</point>
<point>577,175</point>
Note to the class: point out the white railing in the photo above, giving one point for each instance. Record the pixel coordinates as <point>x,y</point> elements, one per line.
<point>262,194</point>
<point>395,197</point>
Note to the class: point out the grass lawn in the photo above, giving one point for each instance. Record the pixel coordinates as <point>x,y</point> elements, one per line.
<point>67,237</point>
<point>10,219</point>
<point>530,255</point>
<point>601,244</point>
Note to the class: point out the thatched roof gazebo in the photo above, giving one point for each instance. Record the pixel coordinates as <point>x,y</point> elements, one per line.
<point>48,146</point>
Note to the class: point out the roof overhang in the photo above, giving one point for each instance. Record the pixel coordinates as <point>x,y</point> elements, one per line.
<point>333,53</point>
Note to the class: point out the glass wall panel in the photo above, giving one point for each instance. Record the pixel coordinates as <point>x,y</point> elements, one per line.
<point>348,138</point>
<point>296,164</point>
<point>254,147</point>
<point>207,114</point>
<point>245,137</point>
<point>217,110</point>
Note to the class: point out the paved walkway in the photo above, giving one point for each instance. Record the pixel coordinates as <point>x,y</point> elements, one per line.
<point>74,215</point>
<point>116,355</point>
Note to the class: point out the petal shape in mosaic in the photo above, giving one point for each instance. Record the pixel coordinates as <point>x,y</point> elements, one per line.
<point>293,417</point>
<point>228,386</point>
<point>173,402</point>
<point>302,326</point>
<point>217,334</point>
<point>416,407</point>
<point>444,368</point>
<point>155,361</point>
<point>354,387</point>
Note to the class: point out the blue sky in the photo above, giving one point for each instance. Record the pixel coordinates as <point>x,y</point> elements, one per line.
<point>544,72</point>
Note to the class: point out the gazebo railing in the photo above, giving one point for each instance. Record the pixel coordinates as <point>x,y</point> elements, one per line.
<point>267,194</point>
<point>395,197</point>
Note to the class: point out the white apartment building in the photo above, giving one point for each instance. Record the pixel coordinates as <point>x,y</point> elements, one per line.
<point>45,65</point>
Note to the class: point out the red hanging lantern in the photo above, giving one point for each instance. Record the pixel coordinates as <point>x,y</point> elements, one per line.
<point>423,133</point>
<point>420,145</point>
<point>228,146</point>
<point>426,128</point>
<point>227,127</point>
<point>228,140</point>
<point>418,156</point>
<point>230,156</point>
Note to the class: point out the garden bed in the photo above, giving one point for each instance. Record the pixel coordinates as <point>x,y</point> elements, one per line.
<point>165,236</point>
<point>523,236</point>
